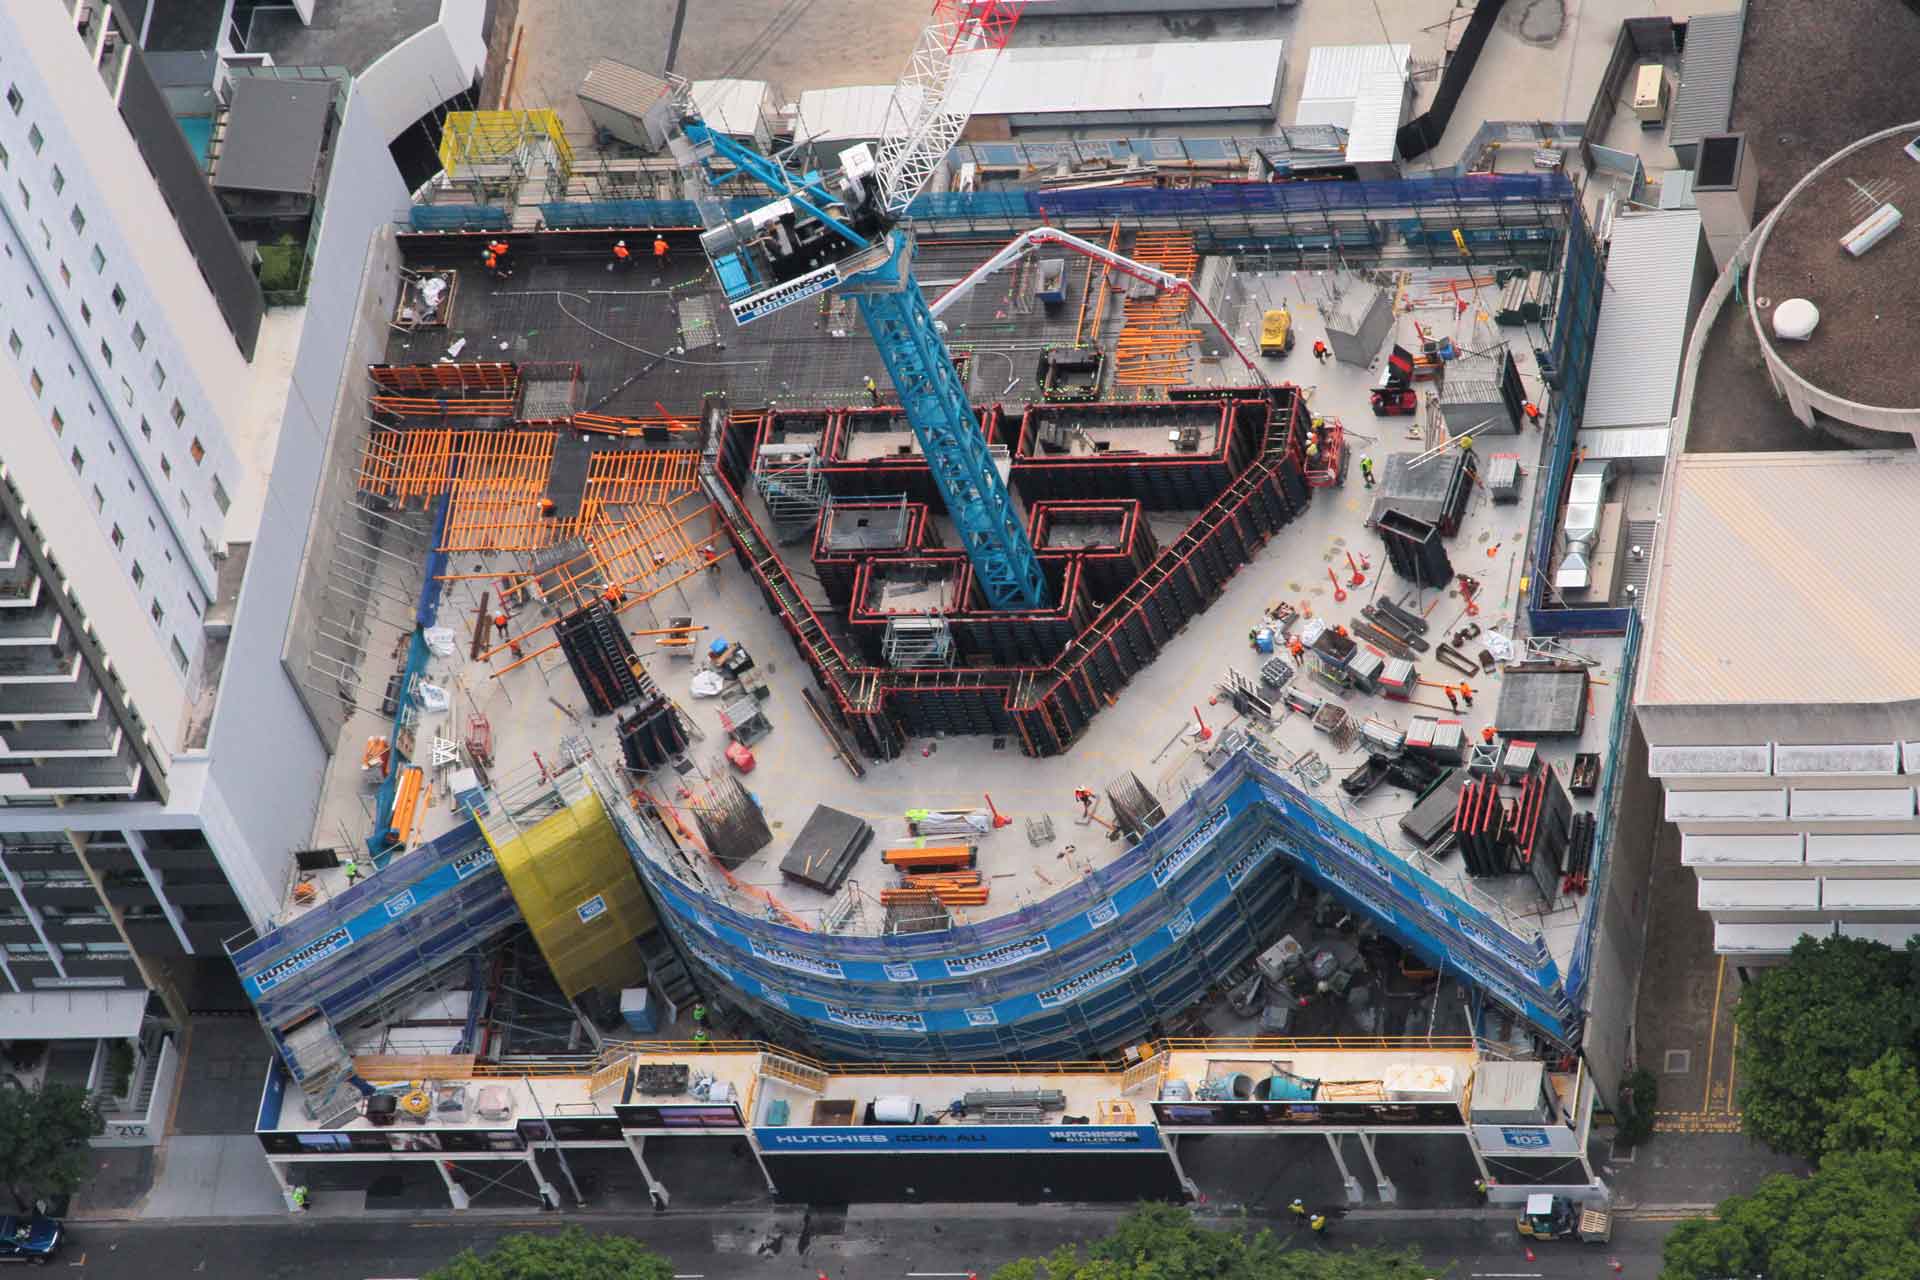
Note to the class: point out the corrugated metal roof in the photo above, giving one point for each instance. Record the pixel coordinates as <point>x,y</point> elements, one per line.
<point>1338,70</point>
<point>1378,112</point>
<point>1704,102</point>
<point>1337,112</point>
<point>624,88</point>
<point>1642,332</point>
<point>852,114</point>
<point>1626,444</point>
<point>1676,189</point>
<point>1778,532</point>
<point>1120,78</point>
<point>733,106</point>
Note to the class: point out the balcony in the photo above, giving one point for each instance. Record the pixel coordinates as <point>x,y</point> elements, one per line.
<point>81,700</point>
<point>118,776</point>
<point>28,623</point>
<point>71,740</point>
<point>38,666</point>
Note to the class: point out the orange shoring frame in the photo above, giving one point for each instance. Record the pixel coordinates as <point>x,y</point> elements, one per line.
<point>1153,347</point>
<point>625,605</point>
<point>574,580</point>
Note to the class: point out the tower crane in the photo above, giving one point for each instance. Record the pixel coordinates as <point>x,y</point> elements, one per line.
<point>845,231</point>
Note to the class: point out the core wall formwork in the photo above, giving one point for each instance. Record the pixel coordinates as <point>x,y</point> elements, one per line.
<point>1049,707</point>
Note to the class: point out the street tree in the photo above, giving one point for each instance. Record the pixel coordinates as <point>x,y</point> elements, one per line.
<point>572,1254</point>
<point>1853,1217</point>
<point>1163,1242</point>
<point>1836,1005</point>
<point>1879,1110</point>
<point>43,1140</point>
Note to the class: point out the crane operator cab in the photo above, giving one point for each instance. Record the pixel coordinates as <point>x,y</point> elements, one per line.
<point>783,251</point>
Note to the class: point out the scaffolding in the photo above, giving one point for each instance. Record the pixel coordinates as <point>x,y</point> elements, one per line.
<point>1154,347</point>
<point>567,868</point>
<point>494,153</point>
<point>370,946</point>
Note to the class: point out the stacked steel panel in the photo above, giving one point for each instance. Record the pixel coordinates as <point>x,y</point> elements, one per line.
<point>836,567</point>
<point>1110,563</point>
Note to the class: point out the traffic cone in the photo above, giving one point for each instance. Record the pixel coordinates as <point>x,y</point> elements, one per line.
<point>1615,1264</point>
<point>1530,1257</point>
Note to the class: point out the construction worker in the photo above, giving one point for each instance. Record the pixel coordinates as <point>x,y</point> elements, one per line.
<point>700,1035</point>
<point>699,1014</point>
<point>546,508</point>
<point>659,251</point>
<point>1532,411</point>
<point>1318,1225</point>
<point>500,620</point>
<point>872,389</point>
<point>1297,1207</point>
<point>1486,734</point>
<point>1452,701</point>
<point>498,248</point>
<point>1480,1187</point>
<point>1321,351</point>
<point>614,595</point>
<point>1466,693</point>
<point>622,256</point>
<point>1084,797</point>
<point>713,560</point>
<point>352,869</point>
<point>300,1198</point>
<point>1466,442</point>
<point>1366,470</point>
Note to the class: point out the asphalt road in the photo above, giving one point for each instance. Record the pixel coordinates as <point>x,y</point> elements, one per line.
<point>873,1243</point>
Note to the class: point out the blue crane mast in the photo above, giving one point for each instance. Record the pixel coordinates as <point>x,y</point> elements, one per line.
<point>847,233</point>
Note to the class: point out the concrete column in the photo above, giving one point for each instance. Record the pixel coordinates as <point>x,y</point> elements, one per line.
<point>455,1192</point>
<point>1480,1161</point>
<point>549,1195</point>
<point>656,1189</point>
<point>1179,1170</point>
<point>760,1160</point>
<point>286,1186</point>
<point>1387,1192</point>
<point>1355,1195</point>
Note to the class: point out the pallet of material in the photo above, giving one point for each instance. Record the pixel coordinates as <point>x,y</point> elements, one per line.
<point>824,852</point>
<point>935,857</point>
<point>974,896</point>
<point>1351,1091</point>
<point>942,880</point>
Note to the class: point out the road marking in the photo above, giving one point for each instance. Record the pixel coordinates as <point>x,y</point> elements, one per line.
<point>1713,1034</point>
<point>697,1275</point>
<point>1508,1275</point>
<point>1733,1064</point>
<point>942,1275</point>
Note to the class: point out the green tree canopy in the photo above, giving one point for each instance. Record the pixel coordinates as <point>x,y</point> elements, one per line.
<point>1837,1004</point>
<point>572,1254</point>
<point>1852,1218</point>
<point>43,1140</point>
<point>1879,1110</point>
<point>1163,1242</point>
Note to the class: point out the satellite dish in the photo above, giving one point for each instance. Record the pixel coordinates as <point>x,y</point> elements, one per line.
<point>1795,319</point>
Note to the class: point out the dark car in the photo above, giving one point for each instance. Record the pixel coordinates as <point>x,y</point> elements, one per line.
<point>34,1239</point>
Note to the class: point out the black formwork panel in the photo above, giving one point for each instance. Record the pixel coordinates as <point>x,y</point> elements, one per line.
<point>854,480</point>
<point>1158,485</point>
<point>942,712</point>
<point>736,452</point>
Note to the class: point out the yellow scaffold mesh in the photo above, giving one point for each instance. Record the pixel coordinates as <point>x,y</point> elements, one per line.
<point>471,139</point>
<point>577,890</point>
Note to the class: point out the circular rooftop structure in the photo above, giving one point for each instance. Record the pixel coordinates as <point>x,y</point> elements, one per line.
<point>1858,365</point>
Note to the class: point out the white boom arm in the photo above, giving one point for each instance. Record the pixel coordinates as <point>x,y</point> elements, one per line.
<point>1162,280</point>
<point>935,94</point>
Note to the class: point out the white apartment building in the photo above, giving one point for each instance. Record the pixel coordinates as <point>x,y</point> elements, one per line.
<point>1780,694</point>
<point>162,439</point>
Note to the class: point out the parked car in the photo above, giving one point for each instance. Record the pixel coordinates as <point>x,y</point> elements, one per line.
<point>34,1239</point>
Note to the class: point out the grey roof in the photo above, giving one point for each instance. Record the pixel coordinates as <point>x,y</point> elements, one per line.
<point>275,129</point>
<point>624,88</point>
<point>1642,332</point>
<point>1708,69</point>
